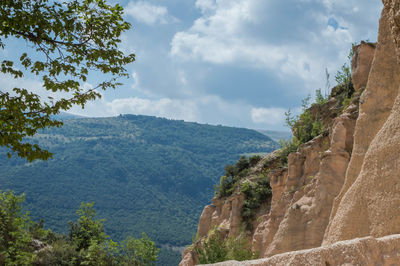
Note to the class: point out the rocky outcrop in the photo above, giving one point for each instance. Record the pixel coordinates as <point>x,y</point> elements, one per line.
<point>338,200</point>
<point>374,134</point>
<point>361,64</point>
<point>302,194</point>
<point>315,176</point>
<point>383,251</point>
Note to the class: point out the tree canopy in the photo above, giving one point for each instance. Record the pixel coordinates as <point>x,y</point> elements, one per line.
<point>68,41</point>
<point>25,242</point>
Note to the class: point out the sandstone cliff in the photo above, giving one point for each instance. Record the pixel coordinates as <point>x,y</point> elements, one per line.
<point>338,198</point>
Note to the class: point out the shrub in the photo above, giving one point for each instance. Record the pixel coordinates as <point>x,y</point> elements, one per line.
<point>233,174</point>
<point>15,248</point>
<point>87,230</point>
<point>319,98</point>
<point>239,248</point>
<point>305,126</point>
<point>253,160</point>
<point>345,87</point>
<point>242,165</point>
<point>141,251</point>
<point>288,147</point>
<point>256,193</point>
<point>214,249</point>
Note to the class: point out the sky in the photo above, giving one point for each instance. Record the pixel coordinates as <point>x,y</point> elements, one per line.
<point>239,63</point>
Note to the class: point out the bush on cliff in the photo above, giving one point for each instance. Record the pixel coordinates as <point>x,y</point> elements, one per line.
<point>257,192</point>
<point>308,125</point>
<point>216,249</point>
<point>233,174</point>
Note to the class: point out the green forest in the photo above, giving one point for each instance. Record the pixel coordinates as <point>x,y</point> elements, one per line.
<point>145,174</point>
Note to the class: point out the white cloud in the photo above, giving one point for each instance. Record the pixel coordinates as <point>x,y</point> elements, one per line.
<point>297,43</point>
<point>149,14</point>
<point>206,5</point>
<point>268,116</point>
<point>135,78</point>
<point>164,107</point>
<point>203,109</point>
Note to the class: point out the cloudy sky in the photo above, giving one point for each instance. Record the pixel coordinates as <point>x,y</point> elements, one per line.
<point>233,62</point>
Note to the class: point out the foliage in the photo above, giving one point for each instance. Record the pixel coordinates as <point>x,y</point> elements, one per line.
<point>87,230</point>
<point>216,249</point>
<point>15,239</point>
<point>87,245</point>
<point>168,256</point>
<point>319,98</point>
<point>233,174</point>
<point>344,88</point>
<point>239,248</point>
<point>287,148</point>
<point>305,126</point>
<point>253,160</point>
<point>70,40</point>
<point>308,125</point>
<point>145,174</point>
<point>141,251</point>
<point>257,192</point>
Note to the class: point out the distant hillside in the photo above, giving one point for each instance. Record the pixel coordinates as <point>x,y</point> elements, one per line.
<point>66,116</point>
<point>276,135</point>
<point>143,173</point>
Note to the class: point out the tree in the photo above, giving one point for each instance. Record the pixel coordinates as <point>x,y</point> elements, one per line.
<point>139,252</point>
<point>15,248</point>
<point>87,229</point>
<point>71,40</point>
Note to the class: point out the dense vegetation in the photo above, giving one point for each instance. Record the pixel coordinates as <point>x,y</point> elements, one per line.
<point>257,192</point>
<point>216,249</point>
<point>145,174</point>
<point>233,175</point>
<point>256,189</point>
<point>24,242</point>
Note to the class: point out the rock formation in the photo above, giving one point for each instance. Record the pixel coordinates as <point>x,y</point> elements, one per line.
<point>350,216</point>
<point>360,251</point>
<point>338,200</point>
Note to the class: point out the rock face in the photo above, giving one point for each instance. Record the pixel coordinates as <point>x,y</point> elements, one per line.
<point>315,176</point>
<point>338,200</point>
<point>375,143</point>
<point>361,64</point>
<point>361,251</point>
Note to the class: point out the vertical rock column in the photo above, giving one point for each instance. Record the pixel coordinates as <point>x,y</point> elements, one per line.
<point>373,173</point>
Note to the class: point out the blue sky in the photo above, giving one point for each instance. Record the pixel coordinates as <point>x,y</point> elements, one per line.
<point>232,62</point>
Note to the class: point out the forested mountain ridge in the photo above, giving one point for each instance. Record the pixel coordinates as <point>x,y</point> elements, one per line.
<point>144,174</point>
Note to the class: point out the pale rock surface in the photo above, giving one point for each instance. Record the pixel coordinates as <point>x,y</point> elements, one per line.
<point>205,221</point>
<point>188,258</point>
<point>361,64</point>
<point>319,181</point>
<point>351,215</point>
<point>367,251</point>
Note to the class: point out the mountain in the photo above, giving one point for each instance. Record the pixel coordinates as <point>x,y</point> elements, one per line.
<point>331,196</point>
<point>276,135</point>
<point>66,116</point>
<point>145,174</point>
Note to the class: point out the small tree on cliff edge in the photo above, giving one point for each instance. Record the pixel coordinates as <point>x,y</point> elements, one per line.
<point>71,40</point>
